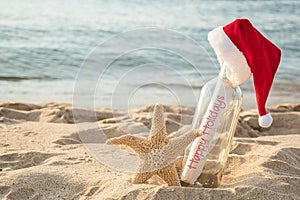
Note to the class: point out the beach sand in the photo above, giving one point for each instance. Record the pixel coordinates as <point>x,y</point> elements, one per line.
<point>42,155</point>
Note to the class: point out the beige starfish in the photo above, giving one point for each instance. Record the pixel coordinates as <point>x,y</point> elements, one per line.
<point>157,153</point>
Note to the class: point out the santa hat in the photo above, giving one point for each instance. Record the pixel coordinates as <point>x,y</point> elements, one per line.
<point>245,51</point>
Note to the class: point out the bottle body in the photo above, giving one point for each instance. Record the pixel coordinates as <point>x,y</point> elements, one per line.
<point>216,116</point>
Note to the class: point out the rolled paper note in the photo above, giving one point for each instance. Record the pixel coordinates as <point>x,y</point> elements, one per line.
<point>211,125</point>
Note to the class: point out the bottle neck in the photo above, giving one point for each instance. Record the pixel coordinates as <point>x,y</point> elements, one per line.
<point>224,78</point>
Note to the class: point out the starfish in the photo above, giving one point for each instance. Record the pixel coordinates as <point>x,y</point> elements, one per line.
<point>157,153</point>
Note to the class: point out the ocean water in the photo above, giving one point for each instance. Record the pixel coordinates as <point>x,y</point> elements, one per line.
<point>45,47</point>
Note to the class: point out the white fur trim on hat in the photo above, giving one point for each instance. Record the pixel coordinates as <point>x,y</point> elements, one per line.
<point>237,69</point>
<point>265,121</point>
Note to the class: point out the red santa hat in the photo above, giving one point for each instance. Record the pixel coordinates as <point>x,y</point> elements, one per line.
<point>245,51</point>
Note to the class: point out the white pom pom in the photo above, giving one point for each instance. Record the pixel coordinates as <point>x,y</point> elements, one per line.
<point>265,121</point>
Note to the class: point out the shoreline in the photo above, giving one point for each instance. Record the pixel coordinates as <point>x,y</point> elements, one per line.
<point>32,93</point>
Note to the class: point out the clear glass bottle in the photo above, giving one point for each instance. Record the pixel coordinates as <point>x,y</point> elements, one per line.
<point>216,116</point>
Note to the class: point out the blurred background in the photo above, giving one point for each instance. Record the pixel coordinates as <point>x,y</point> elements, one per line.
<point>44,43</point>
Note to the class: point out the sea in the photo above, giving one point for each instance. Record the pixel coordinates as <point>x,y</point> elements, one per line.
<point>126,54</point>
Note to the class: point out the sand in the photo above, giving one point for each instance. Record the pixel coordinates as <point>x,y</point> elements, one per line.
<point>42,155</point>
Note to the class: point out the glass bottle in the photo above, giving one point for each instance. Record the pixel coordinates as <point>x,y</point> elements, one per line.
<point>216,116</point>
